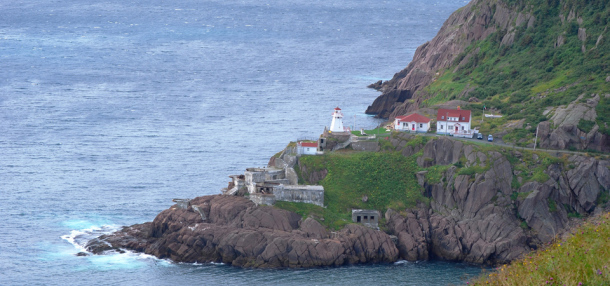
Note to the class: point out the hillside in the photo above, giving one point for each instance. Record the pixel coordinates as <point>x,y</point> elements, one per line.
<point>582,258</point>
<point>457,200</point>
<point>539,63</point>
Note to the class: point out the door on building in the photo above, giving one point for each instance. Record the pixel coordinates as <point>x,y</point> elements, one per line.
<point>413,127</point>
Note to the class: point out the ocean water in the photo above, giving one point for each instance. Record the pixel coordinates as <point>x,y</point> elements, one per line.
<point>110,109</point>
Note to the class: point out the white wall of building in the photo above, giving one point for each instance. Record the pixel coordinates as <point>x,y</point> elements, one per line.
<point>306,150</point>
<point>411,126</point>
<point>337,124</point>
<point>444,126</point>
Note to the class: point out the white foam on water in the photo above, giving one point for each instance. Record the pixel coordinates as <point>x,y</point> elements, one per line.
<point>79,238</point>
<point>126,260</point>
<point>401,262</point>
<point>110,260</point>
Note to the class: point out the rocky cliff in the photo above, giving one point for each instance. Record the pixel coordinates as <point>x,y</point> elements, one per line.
<point>534,61</point>
<point>234,231</point>
<point>479,204</point>
<point>473,22</point>
<point>491,206</point>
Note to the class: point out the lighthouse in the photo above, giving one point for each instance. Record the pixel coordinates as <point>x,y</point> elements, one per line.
<point>337,124</point>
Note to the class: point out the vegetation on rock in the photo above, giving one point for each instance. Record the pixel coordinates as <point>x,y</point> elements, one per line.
<point>583,258</point>
<point>523,78</point>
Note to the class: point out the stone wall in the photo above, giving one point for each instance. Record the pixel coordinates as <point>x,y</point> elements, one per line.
<point>300,194</point>
<point>261,175</point>
<point>372,146</point>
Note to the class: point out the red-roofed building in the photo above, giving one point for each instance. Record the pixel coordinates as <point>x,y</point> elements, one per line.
<point>453,122</point>
<point>307,148</point>
<point>413,123</point>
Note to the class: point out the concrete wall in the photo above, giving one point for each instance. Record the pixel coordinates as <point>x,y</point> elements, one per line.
<point>300,194</point>
<point>260,175</point>
<point>260,199</point>
<point>366,146</point>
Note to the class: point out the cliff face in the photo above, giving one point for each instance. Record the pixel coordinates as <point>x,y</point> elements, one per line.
<point>470,203</point>
<point>533,61</point>
<point>237,232</point>
<point>495,214</point>
<point>473,22</point>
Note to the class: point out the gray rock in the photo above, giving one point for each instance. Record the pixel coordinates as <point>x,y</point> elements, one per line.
<point>292,176</point>
<point>582,34</point>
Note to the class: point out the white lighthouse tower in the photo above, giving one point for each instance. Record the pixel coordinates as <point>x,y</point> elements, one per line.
<point>337,124</point>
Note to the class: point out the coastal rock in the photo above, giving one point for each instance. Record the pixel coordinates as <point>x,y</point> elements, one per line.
<point>480,218</point>
<point>376,85</point>
<point>239,233</point>
<point>442,151</point>
<point>567,134</point>
<point>541,212</point>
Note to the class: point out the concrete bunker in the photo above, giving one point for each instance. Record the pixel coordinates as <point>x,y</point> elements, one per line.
<point>368,218</point>
<point>268,185</point>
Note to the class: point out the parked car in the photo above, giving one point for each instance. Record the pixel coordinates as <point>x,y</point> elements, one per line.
<point>480,136</point>
<point>490,138</point>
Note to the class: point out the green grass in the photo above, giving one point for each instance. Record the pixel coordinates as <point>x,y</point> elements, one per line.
<point>473,170</point>
<point>380,131</point>
<point>386,178</point>
<point>330,219</point>
<point>436,173</point>
<point>581,259</point>
<point>523,79</point>
<point>586,125</point>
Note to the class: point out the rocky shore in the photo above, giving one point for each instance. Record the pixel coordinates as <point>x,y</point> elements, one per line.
<point>235,231</point>
<point>491,216</point>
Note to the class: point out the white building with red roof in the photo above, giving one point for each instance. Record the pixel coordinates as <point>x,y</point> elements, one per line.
<point>307,148</point>
<point>454,122</point>
<point>412,123</point>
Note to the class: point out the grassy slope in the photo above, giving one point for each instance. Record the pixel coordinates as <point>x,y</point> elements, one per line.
<point>519,80</point>
<point>581,259</point>
<point>388,179</point>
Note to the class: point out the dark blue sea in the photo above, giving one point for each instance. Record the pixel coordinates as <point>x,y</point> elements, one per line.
<point>109,109</point>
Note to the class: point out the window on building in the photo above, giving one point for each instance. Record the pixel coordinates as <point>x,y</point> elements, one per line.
<point>462,127</point>
<point>463,118</point>
<point>442,117</point>
<point>366,217</point>
<point>441,127</point>
<point>358,219</point>
<point>372,217</point>
<point>421,125</point>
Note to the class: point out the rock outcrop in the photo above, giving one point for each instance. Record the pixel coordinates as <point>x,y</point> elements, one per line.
<point>239,233</point>
<point>474,22</point>
<point>566,133</point>
<point>483,217</point>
